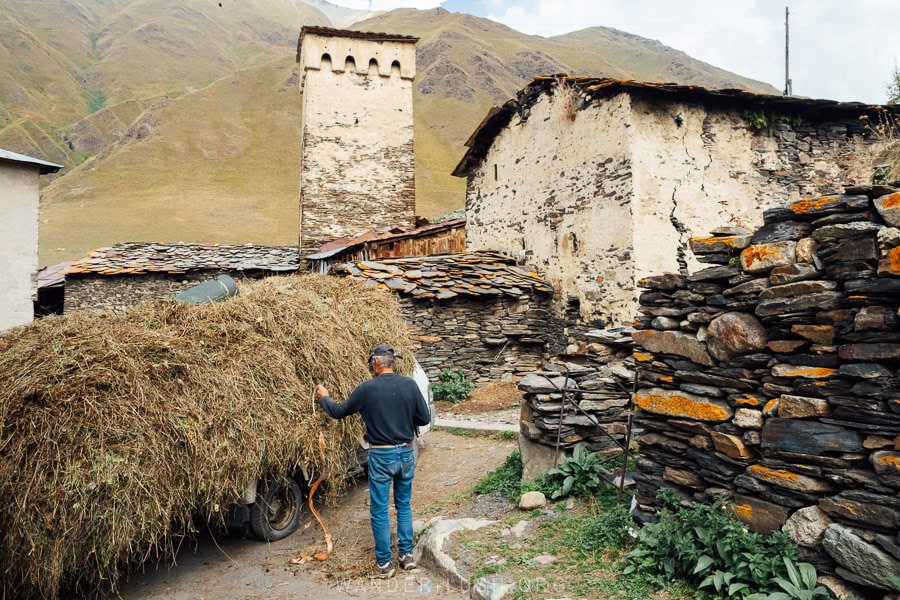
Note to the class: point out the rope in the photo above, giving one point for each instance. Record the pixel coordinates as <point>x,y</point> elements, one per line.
<point>311,554</point>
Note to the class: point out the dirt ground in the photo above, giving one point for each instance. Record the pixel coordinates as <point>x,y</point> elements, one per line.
<point>228,567</point>
<point>494,396</point>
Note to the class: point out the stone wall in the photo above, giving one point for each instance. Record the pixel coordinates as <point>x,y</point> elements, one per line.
<point>774,381</point>
<point>357,164</point>
<point>491,339</point>
<point>124,291</point>
<point>596,212</point>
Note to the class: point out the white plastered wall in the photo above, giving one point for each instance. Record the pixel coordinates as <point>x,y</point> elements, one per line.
<point>557,189</point>
<point>19,191</point>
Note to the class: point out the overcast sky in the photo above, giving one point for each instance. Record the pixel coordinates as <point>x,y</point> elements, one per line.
<point>840,49</point>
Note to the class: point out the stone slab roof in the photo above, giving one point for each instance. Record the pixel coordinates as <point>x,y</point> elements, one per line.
<point>446,276</point>
<point>361,35</point>
<point>10,157</point>
<point>498,118</point>
<point>138,258</point>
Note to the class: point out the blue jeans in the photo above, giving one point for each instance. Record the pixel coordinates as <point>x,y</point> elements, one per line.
<point>386,466</point>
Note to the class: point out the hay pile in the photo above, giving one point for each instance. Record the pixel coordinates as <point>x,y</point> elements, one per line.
<point>114,430</point>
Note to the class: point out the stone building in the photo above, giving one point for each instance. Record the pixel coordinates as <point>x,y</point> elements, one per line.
<point>357,165</point>
<point>476,311</point>
<point>19,192</point>
<point>126,274</point>
<point>600,182</point>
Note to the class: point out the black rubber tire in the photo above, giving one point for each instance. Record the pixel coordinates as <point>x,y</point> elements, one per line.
<point>277,511</point>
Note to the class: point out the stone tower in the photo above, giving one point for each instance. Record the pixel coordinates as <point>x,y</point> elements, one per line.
<point>357,166</point>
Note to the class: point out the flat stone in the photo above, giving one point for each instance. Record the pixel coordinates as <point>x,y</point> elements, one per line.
<point>666,323</point>
<point>761,258</point>
<point>789,479</point>
<point>544,559</point>
<point>861,510</point>
<point>875,318</point>
<point>807,302</point>
<point>839,588</point>
<point>806,527</point>
<point>726,244</point>
<point>493,587</point>
<point>730,445</point>
<point>673,342</point>
<point>801,407</point>
<point>810,209</point>
<point>820,334</point>
<point>877,442</point>
<point>785,346</point>
<point>887,465</point>
<point>845,231</point>
<point>684,478</point>
<point>889,208</point>
<point>519,529</point>
<point>429,551</point>
<point>867,352</point>
<point>681,404</point>
<point>890,262</point>
<point>712,274</point>
<point>534,383</point>
<point>809,437</point>
<point>865,370</point>
<point>747,418</point>
<point>759,515</point>
<point>792,273</point>
<point>537,459</point>
<point>666,282</point>
<point>532,500</point>
<point>781,231</point>
<point>735,334</point>
<point>868,562</point>
<point>798,288</point>
<point>810,372</point>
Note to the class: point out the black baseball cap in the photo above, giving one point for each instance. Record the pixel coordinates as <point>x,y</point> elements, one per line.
<point>383,350</point>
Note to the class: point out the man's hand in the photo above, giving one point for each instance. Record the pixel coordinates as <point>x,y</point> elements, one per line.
<point>321,392</point>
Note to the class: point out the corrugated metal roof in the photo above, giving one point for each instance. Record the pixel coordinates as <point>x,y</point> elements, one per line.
<point>597,87</point>
<point>363,35</point>
<point>137,258</point>
<point>45,167</point>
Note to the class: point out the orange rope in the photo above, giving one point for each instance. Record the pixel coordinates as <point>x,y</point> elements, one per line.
<point>309,555</point>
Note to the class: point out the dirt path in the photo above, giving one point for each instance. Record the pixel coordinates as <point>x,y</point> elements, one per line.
<point>231,568</point>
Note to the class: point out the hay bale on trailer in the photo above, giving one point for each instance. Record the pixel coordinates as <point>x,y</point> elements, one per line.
<point>116,431</point>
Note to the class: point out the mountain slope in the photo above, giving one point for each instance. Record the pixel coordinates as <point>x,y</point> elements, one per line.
<point>181,119</point>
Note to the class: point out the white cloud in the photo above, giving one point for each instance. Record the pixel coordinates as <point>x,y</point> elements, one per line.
<point>839,50</point>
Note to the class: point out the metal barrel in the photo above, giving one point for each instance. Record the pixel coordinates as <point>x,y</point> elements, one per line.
<point>220,288</point>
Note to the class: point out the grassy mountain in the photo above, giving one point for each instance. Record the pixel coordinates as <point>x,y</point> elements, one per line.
<point>180,118</point>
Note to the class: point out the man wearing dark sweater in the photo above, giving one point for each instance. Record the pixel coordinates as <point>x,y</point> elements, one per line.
<point>392,407</point>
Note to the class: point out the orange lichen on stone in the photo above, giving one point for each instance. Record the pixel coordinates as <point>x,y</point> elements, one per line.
<point>709,241</point>
<point>678,405</point>
<point>892,260</point>
<point>808,205</point>
<point>748,401</point>
<point>770,405</point>
<point>889,459</point>
<point>666,378</point>
<point>773,475</point>
<point>856,297</point>
<point>744,512</point>
<point>642,357</point>
<point>759,252</point>
<point>892,201</point>
<point>810,372</point>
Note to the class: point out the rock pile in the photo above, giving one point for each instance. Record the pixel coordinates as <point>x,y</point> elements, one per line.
<point>772,379</point>
<point>583,395</point>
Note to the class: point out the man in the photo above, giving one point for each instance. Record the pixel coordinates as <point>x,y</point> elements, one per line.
<point>391,407</point>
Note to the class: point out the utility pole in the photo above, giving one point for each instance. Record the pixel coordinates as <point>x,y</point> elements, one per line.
<point>788,91</point>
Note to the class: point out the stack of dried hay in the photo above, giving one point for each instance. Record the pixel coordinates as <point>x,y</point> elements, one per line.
<point>115,430</point>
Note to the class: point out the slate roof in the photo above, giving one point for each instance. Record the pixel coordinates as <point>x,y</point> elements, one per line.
<point>7,156</point>
<point>137,258</point>
<point>446,276</point>
<point>349,33</point>
<point>498,118</point>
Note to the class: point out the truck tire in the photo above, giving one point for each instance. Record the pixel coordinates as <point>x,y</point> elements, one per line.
<point>277,510</point>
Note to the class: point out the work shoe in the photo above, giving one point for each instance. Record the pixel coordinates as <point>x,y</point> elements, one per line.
<point>407,562</point>
<point>385,571</point>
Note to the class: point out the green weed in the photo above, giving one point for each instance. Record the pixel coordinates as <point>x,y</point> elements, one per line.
<point>454,386</point>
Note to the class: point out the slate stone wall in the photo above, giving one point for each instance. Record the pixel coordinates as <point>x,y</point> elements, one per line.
<point>490,339</point>
<point>124,291</point>
<point>773,381</point>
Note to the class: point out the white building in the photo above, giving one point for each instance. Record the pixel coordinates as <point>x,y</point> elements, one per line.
<point>19,193</point>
